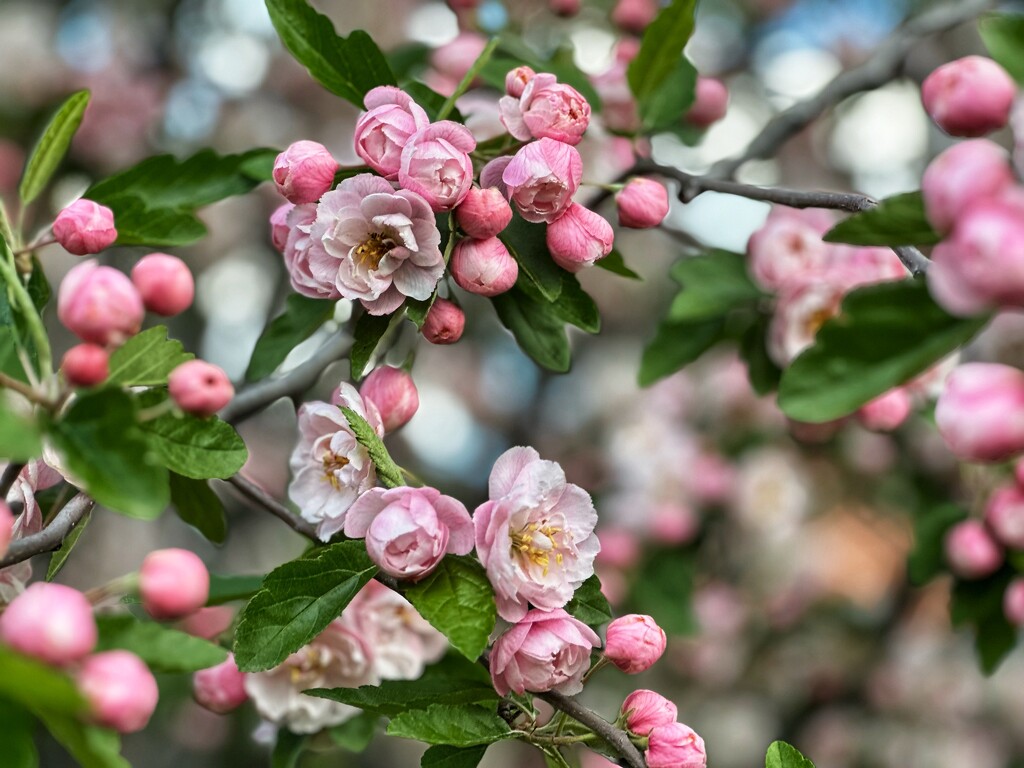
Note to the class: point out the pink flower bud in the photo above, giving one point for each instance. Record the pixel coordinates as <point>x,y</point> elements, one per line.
<point>220,689</point>
<point>886,413</point>
<point>645,710</point>
<point>972,553</point>
<point>120,689</point>
<point>619,548</point>
<point>382,133</point>
<point>642,203</point>
<point>565,7</point>
<point>483,266</point>
<point>85,227</point>
<point>200,388</point>
<point>173,583</point>
<point>675,746</point>
<point>634,642</point>
<point>579,238</point>
<point>969,97</point>
<point>208,622</point>
<point>484,213</point>
<point>99,304</point>
<point>453,59</point>
<point>51,622</point>
<point>165,284</point>
<point>961,176</point>
<point>980,414</point>
<point>6,527</point>
<point>634,15</point>
<point>541,179</point>
<point>546,109</point>
<point>394,393</point>
<point>674,523</point>
<point>710,102</point>
<point>1004,514</point>
<point>304,172</point>
<point>1013,602</point>
<point>279,229</point>
<point>436,164</point>
<point>86,365</point>
<point>445,322</point>
<point>516,80</point>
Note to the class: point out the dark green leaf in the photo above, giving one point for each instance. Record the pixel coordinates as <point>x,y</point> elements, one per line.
<point>664,589</point>
<point>713,284</point>
<point>297,601</point>
<point>444,756</point>
<point>576,306</point>
<point>615,264</point>
<point>980,604</point>
<point>162,648</point>
<point>366,335</point>
<point>20,439</point>
<point>1003,35</point>
<point>91,747</point>
<point>52,146</point>
<point>675,346</point>
<point>288,749</point>
<point>666,105</point>
<point>225,589</point>
<point>897,220</point>
<point>356,734</point>
<point>58,558</point>
<point>762,371</point>
<point>146,359</point>
<point>301,318</point>
<point>17,742</point>
<point>457,599</point>
<point>782,755</point>
<point>347,67</point>
<point>38,286</point>
<point>884,335</point>
<point>195,447</point>
<point>417,311</point>
<point>458,725</point>
<point>387,471</point>
<point>660,52</point>
<point>538,330</point>
<point>197,505</point>
<point>589,604</point>
<point>528,245</point>
<point>139,224</point>
<point>930,528</point>
<point>431,101</point>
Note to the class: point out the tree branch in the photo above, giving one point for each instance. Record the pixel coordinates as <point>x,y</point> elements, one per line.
<point>258,496</point>
<point>915,261</point>
<point>615,737</point>
<point>53,535</point>
<point>10,474</point>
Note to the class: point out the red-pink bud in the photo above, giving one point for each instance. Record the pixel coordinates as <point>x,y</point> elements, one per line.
<point>208,622</point>
<point>99,304</point>
<point>51,622</point>
<point>972,553</point>
<point>634,642</point>
<point>710,102</point>
<point>969,97</point>
<point>445,322</point>
<point>1004,514</point>
<point>220,689</point>
<point>120,689</point>
<point>565,7</point>
<point>484,213</point>
<point>980,414</point>
<point>483,266</point>
<point>394,393</point>
<point>961,176</point>
<point>200,388</point>
<point>173,583</point>
<point>279,228</point>
<point>675,746</point>
<point>85,227</point>
<point>579,238</point>
<point>642,203</point>
<point>1013,602</point>
<point>634,15</point>
<point>304,172</point>
<point>6,527</point>
<point>645,710</point>
<point>886,413</point>
<point>165,284</point>
<point>516,80</point>
<point>86,365</point>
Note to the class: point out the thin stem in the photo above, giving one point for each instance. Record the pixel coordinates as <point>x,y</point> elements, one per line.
<point>257,495</point>
<point>28,392</point>
<point>34,245</point>
<point>467,80</point>
<point>53,535</point>
<point>616,738</point>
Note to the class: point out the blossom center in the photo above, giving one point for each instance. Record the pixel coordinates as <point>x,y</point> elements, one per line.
<point>309,666</point>
<point>374,248</point>
<point>536,543</point>
<point>817,319</point>
<point>334,463</point>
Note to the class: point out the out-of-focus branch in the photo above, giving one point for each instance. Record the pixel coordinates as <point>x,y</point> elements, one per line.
<point>10,474</point>
<point>258,496</point>
<point>53,535</point>
<point>915,261</point>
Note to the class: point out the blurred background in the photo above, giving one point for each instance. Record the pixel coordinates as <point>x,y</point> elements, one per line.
<point>775,557</point>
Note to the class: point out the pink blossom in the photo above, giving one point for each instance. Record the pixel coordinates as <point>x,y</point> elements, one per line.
<point>173,583</point>
<point>454,58</point>
<point>375,244</point>
<point>801,311</point>
<point>394,394</point>
<point>1013,602</point>
<point>200,388</point>
<point>85,227</point>
<point>35,476</point>
<point>980,414</point>
<point>409,530</point>
<point>383,131</point>
<point>634,15</point>
<point>99,304</point>
<point>165,283</point>
<point>535,536</point>
<point>619,548</point>
<point>484,213</point>
<point>445,322</point>
<point>1004,514</point>
<point>618,106</point>
<point>710,102</point>
<point>969,97</point>
<point>121,691</point>
<point>578,238</point>
<point>546,109</point>
<point>484,267</point>
<point>51,622</point>
<point>300,248</point>
<point>789,248</point>
<point>6,527</point>
<point>220,689</point>
<point>675,746</point>
<point>517,79</point>
<point>542,177</point>
<point>279,229</point>
<point>86,365</point>
<point>645,710</point>
<point>304,172</point>
<point>971,551</point>
<point>961,176</point>
<point>544,651</point>
<point>642,203</point>
<point>634,642</point>
<point>491,175</point>
<point>436,164</point>
<point>886,412</point>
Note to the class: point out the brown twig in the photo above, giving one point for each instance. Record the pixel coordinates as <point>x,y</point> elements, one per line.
<point>53,535</point>
<point>258,496</point>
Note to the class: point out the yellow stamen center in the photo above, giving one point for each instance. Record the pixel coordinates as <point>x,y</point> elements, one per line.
<point>372,250</point>
<point>536,544</point>
<point>332,464</point>
<point>816,320</point>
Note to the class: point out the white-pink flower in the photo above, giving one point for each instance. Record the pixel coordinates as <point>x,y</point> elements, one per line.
<point>330,469</point>
<point>542,178</point>
<point>382,132</point>
<point>546,109</point>
<point>535,536</point>
<point>375,244</point>
<point>299,246</point>
<point>801,311</point>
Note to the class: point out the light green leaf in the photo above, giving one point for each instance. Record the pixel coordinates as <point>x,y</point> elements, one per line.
<point>60,557</point>
<point>665,106</point>
<point>713,284</point>
<point>91,747</point>
<point>356,734</point>
<point>1003,35</point>
<point>37,686</point>
<point>147,359</point>
<point>366,335</point>
<point>660,52</point>
<point>538,330</point>
<point>200,448</point>
<point>444,756</point>
<point>782,755</point>
<point>589,604</point>
<point>387,471</point>
<point>197,505</point>
<point>458,725</point>
<point>615,264</point>
<point>897,220</point>
<point>20,439</point>
<point>162,648</point>
<point>301,318</point>
<point>52,146</point>
<point>676,345</point>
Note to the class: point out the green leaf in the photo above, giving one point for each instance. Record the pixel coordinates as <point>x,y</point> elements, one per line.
<point>91,747</point>
<point>139,224</point>
<point>930,527</point>
<point>444,756</point>
<point>102,445</point>
<point>17,742</point>
<point>38,686</point>
<point>387,471</point>
<point>457,599</point>
<point>162,648</point>
<point>20,439</point>
<point>288,748</point>
<point>458,725</point>
<point>301,318</point>
<point>615,264</point>
<point>38,286</point>
<point>676,345</point>
<point>356,734</point>
<point>538,330</point>
<point>417,311</point>
<point>782,755</point>
<point>366,335</point>
<point>225,589</point>
<point>297,601</point>
<point>58,558</point>
<point>664,589</point>
<point>147,359</point>
<point>198,506</point>
<point>1003,35</point>
<point>200,448</point>
<point>979,604</point>
<point>52,146</point>
<point>589,604</point>
<point>576,306</point>
<point>347,67</point>
<point>897,220</point>
<point>762,371</point>
<point>661,49</point>
<point>713,284</point>
<point>884,335</point>
<point>666,105</point>
<point>528,245</point>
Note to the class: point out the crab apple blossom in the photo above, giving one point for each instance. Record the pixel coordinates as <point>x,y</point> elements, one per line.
<point>675,745</point>
<point>710,102</point>
<point>1004,515</point>
<point>6,527</point>
<point>645,710</point>
<point>484,213</point>
<point>165,284</point>
<point>579,238</point>
<point>887,412</point>
<point>801,311</point>
<point>394,394</point>
<point>300,247</point>
<point>546,109</point>
<point>85,227</point>
<point>541,179</point>
<point>642,203</point>
<point>173,583</point>
<point>375,244</point>
<point>330,469</point>
<point>484,267</point>
<point>50,622</point>
<point>544,651</point>
<point>200,388</point>
<point>971,551</point>
<point>634,642</point>
<point>980,414</point>
<point>1013,602</point>
<point>535,535</point>
<point>279,228</point>
<point>121,691</point>
<point>788,248</point>
<point>517,79</point>
<point>961,176</point>
<point>99,304</point>
<point>634,15</point>
<point>969,97</point>
<point>409,530</point>
<point>384,129</point>
<point>304,172</point>
<point>220,689</point>
<point>436,164</point>
<point>86,365</point>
